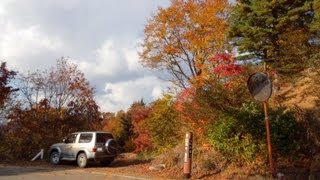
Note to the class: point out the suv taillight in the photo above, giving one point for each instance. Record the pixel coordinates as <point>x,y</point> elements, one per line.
<point>94,149</point>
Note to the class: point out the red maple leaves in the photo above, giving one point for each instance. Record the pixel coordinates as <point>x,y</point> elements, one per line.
<point>225,65</point>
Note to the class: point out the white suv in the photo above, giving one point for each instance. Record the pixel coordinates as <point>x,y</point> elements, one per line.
<point>84,146</point>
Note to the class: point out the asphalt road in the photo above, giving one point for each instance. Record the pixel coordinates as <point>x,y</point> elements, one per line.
<point>47,173</point>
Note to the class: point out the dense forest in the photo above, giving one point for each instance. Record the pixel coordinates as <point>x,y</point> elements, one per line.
<point>209,48</point>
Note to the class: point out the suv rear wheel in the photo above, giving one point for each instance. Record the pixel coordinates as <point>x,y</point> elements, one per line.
<point>82,160</point>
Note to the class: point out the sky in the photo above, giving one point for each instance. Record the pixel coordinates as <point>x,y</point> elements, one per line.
<point>100,36</point>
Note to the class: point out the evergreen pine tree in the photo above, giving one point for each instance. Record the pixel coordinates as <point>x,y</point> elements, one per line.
<point>277,32</point>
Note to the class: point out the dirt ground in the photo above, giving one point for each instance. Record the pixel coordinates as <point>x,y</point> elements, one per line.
<point>128,165</point>
<point>124,165</point>
<point>47,173</point>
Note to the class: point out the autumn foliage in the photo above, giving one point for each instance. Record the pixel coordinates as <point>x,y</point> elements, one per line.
<point>128,127</point>
<point>139,112</point>
<point>201,104</point>
<point>53,103</point>
<point>163,124</point>
<point>192,41</point>
<point>225,65</point>
<point>181,38</point>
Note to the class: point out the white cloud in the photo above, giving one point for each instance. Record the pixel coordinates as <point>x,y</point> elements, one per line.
<point>107,61</point>
<point>112,59</point>
<point>157,92</point>
<point>100,36</point>
<point>121,95</point>
<point>132,57</point>
<point>17,43</point>
<point>3,6</point>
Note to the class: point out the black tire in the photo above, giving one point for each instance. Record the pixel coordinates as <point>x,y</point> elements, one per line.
<point>111,147</point>
<point>55,158</point>
<point>82,160</point>
<point>106,162</point>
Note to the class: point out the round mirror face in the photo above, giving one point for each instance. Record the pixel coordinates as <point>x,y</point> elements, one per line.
<point>260,86</point>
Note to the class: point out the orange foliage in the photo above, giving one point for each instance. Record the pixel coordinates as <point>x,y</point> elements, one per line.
<point>139,113</point>
<point>112,123</point>
<point>184,96</point>
<point>180,38</point>
<point>190,111</point>
<point>60,102</point>
<point>199,104</point>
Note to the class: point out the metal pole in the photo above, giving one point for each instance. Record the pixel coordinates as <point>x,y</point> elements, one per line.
<point>188,156</point>
<point>268,139</point>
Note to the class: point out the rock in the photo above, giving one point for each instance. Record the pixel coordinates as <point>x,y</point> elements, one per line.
<point>158,167</point>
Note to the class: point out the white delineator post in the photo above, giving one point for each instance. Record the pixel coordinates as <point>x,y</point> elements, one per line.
<point>39,154</point>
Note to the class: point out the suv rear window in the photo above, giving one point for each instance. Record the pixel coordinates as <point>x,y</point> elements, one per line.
<point>103,137</point>
<point>85,137</point>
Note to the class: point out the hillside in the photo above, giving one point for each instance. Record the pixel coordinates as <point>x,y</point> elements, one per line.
<point>304,93</point>
<point>304,96</point>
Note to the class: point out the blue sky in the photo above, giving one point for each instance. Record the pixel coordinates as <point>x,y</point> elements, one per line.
<point>100,36</point>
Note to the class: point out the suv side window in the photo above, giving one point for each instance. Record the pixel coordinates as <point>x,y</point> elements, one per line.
<point>71,138</point>
<point>85,137</point>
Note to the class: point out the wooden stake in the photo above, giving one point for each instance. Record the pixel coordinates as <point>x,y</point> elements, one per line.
<point>188,156</point>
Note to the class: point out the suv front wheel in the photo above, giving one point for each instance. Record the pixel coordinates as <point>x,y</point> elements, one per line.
<point>55,158</point>
<point>82,160</point>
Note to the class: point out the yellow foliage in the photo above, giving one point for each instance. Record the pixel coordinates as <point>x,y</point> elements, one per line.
<point>183,36</point>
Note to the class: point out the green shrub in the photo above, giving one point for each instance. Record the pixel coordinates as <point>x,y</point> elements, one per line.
<point>286,134</point>
<point>228,136</point>
<point>240,133</point>
<point>162,124</point>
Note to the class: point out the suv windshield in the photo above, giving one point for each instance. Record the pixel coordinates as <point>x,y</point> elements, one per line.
<point>103,137</point>
<point>71,138</point>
